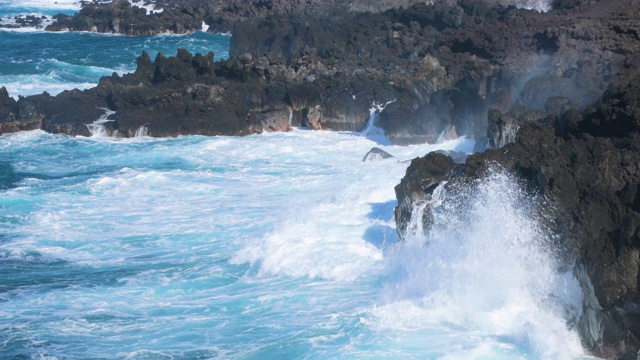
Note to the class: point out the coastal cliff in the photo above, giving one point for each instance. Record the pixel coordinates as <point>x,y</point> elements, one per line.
<point>553,97</point>
<point>439,67</point>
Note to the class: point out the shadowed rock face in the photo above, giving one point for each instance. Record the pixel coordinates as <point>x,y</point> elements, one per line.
<point>589,163</point>
<point>444,66</point>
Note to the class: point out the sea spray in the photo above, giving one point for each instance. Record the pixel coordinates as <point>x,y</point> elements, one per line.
<point>485,267</point>
<point>142,131</point>
<point>98,129</point>
<point>276,245</point>
<point>537,5</point>
<point>372,131</point>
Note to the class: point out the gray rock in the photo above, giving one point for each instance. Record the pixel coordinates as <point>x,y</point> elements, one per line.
<point>376,154</point>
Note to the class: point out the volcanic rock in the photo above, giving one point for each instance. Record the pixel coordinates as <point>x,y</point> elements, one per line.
<point>591,169</point>
<point>376,154</point>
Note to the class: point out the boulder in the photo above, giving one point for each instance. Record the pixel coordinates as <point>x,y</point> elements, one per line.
<point>271,120</point>
<point>313,118</point>
<point>376,154</point>
<point>415,190</point>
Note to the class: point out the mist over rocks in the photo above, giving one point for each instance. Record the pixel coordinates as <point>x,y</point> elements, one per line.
<point>584,156</point>
<point>554,97</point>
<point>444,66</point>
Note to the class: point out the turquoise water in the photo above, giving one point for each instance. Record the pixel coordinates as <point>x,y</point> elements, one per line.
<point>10,8</point>
<point>191,247</point>
<point>36,61</point>
<point>273,246</point>
<point>267,246</point>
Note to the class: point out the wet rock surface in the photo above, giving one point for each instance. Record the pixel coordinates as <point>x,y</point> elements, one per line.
<point>587,161</point>
<point>441,66</point>
<point>553,96</point>
<point>376,154</point>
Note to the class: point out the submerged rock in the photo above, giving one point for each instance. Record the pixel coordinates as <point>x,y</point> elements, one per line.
<point>376,154</point>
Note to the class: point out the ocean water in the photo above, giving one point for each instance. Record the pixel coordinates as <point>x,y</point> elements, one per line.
<point>272,246</point>
<point>268,246</point>
<point>37,7</point>
<point>35,61</point>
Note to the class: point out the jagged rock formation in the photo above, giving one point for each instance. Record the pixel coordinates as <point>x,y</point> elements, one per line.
<point>445,65</point>
<point>120,17</point>
<point>587,161</point>
<point>186,16</point>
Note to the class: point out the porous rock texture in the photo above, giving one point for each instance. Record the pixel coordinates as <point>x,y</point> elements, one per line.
<point>586,158</point>
<point>553,95</point>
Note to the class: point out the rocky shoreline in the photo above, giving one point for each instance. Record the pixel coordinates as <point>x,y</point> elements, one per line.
<point>443,66</point>
<point>554,96</point>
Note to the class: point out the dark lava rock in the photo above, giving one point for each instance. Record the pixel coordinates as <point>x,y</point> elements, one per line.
<point>502,128</point>
<point>376,154</point>
<point>531,86</point>
<point>458,157</point>
<point>271,120</point>
<point>591,168</point>
<point>120,17</point>
<point>439,67</point>
<point>423,176</point>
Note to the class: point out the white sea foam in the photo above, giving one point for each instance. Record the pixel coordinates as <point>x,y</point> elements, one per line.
<point>321,233</point>
<point>151,7</point>
<point>538,5</point>
<point>267,245</point>
<point>47,4</point>
<point>31,85</point>
<point>11,23</point>
<point>60,76</point>
<point>372,131</point>
<point>97,128</point>
<point>485,268</point>
<point>142,131</point>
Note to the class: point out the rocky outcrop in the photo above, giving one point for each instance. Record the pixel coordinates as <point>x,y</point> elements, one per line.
<point>587,161</point>
<point>186,16</point>
<point>502,128</point>
<point>376,154</point>
<point>423,176</point>
<point>193,94</point>
<point>447,65</point>
<point>440,67</point>
<point>120,17</point>
<point>554,130</point>
<point>528,85</point>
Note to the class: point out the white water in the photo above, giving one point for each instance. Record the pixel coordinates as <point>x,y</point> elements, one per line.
<point>538,5</point>
<point>142,131</point>
<point>372,131</point>
<point>45,4</point>
<point>486,267</point>
<point>97,128</point>
<point>150,8</point>
<point>281,245</point>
